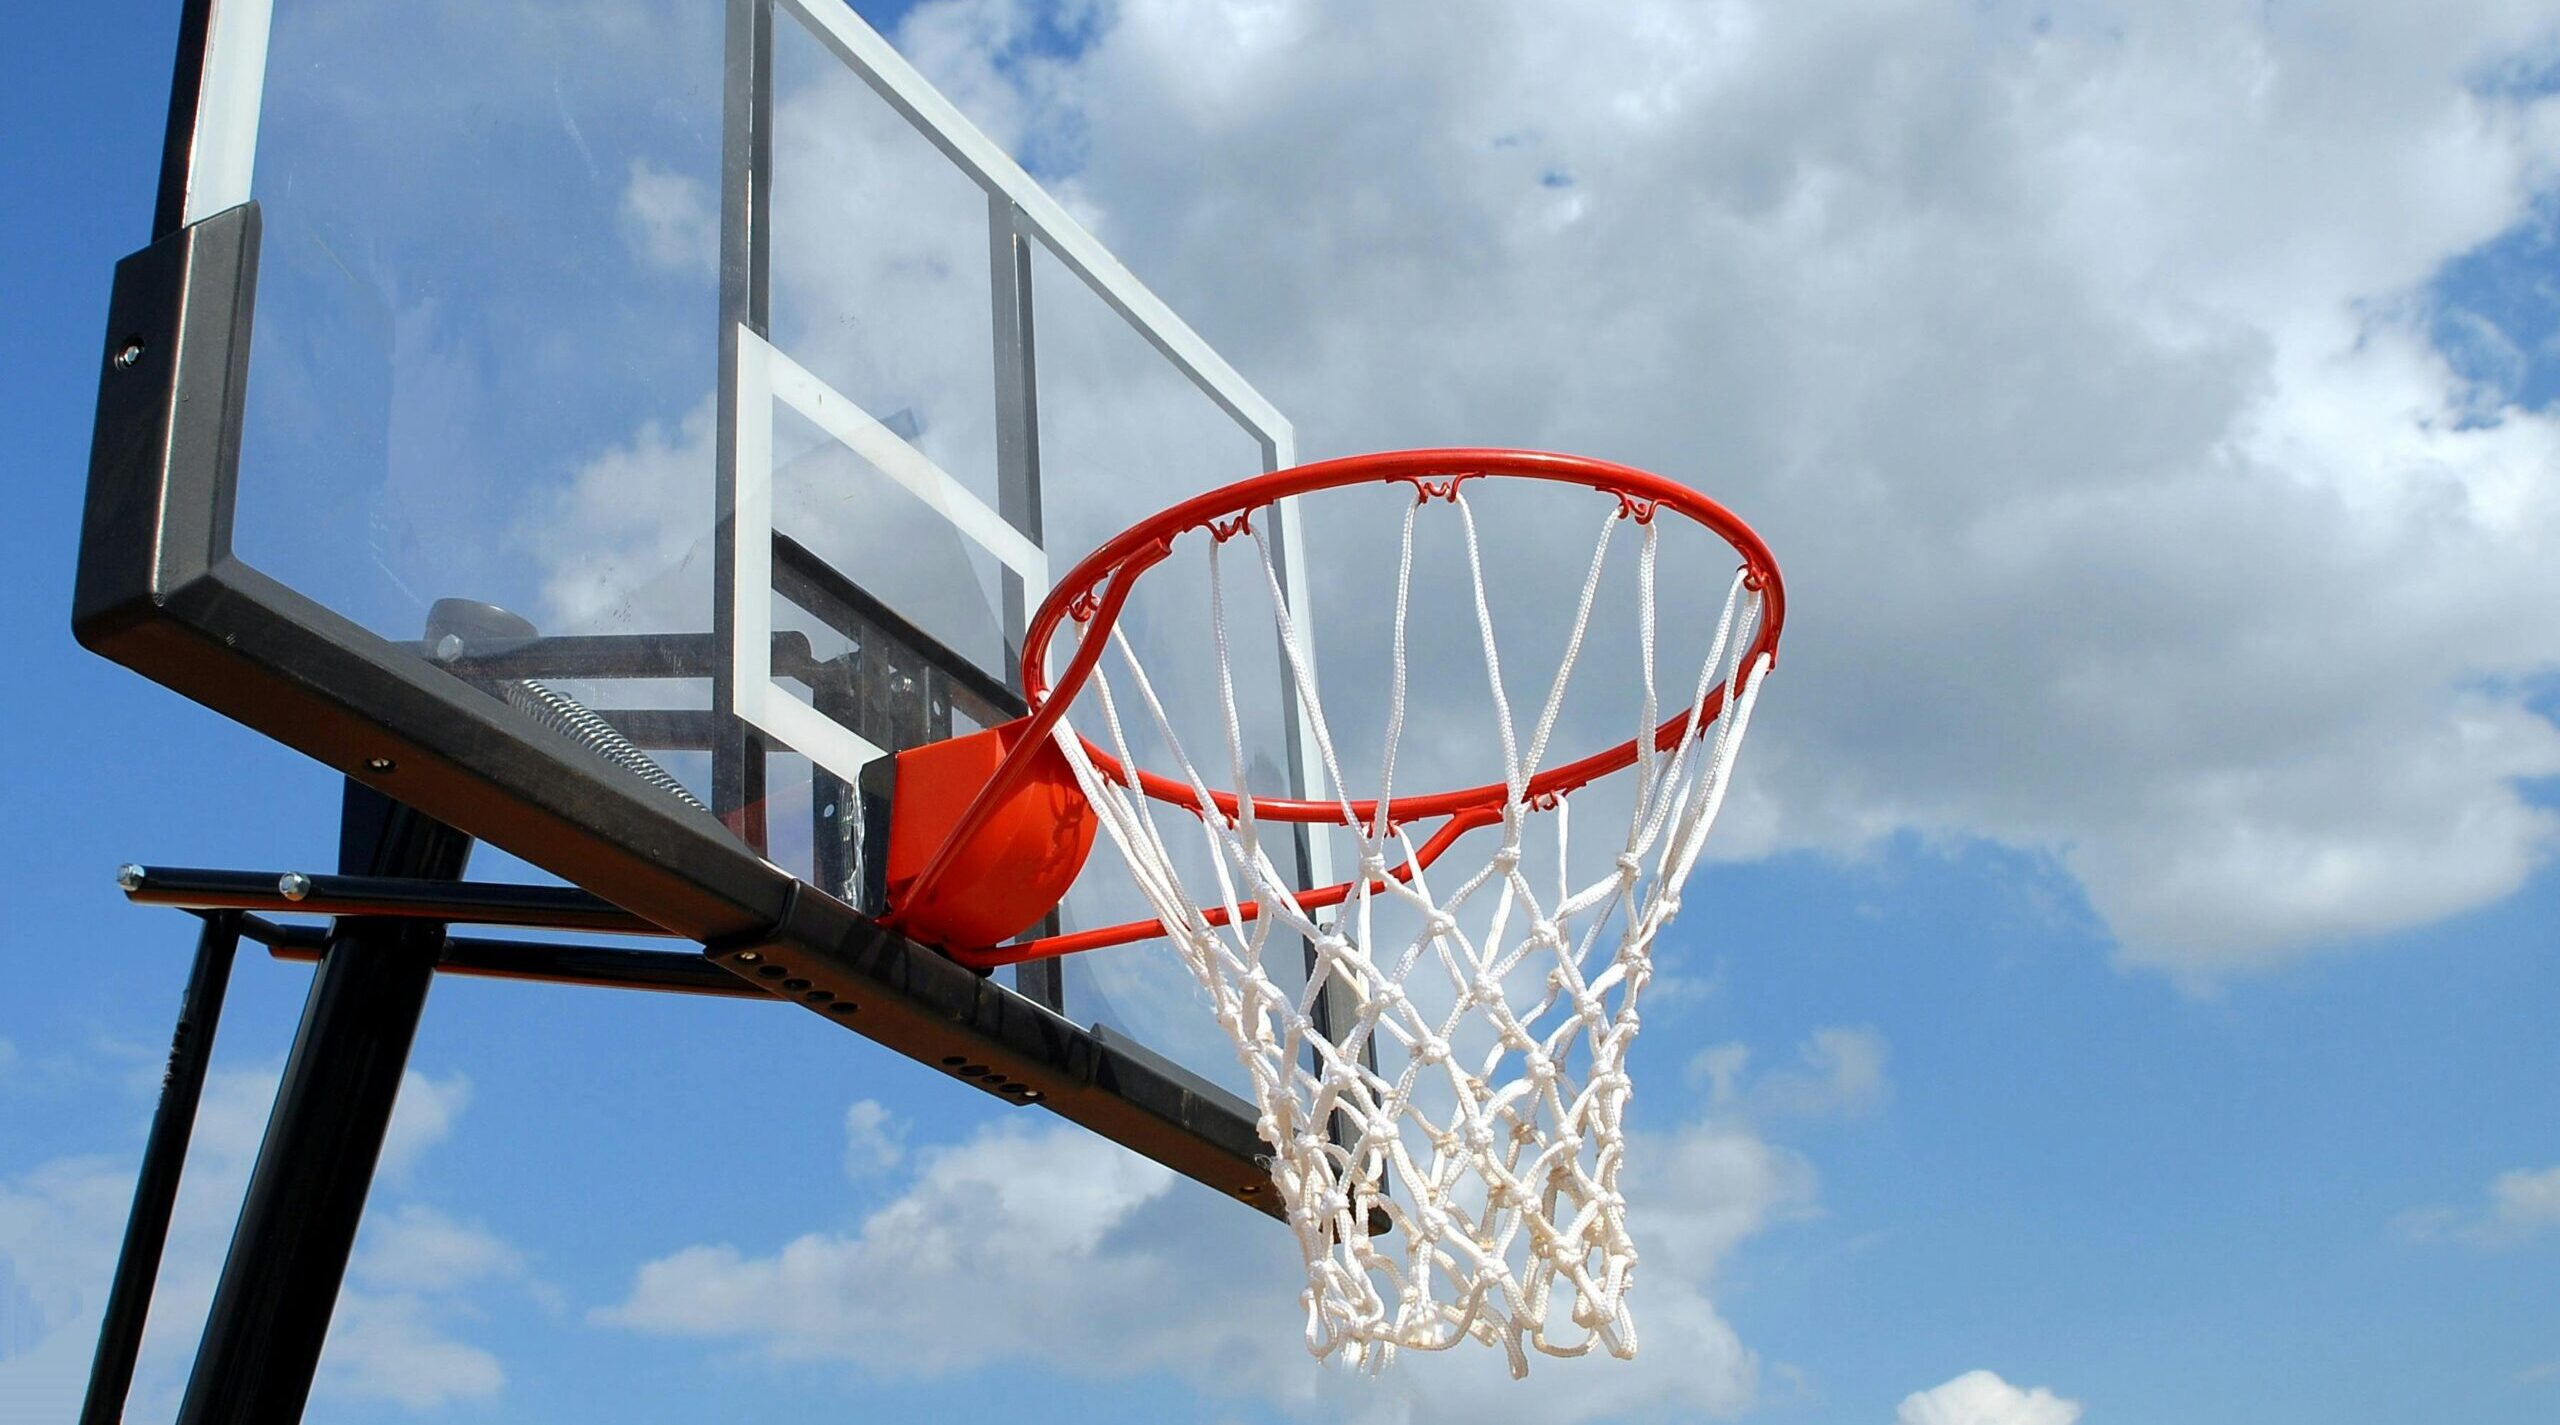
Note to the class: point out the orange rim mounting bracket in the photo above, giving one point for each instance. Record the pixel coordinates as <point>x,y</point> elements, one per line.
<point>1016,864</point>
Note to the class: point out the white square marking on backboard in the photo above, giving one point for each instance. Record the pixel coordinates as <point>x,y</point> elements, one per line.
<point>765,376</point>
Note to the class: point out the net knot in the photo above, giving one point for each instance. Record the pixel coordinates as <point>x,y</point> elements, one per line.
<point>1630,866</point>
<point>1332,954</point>
<point>1442,925</point>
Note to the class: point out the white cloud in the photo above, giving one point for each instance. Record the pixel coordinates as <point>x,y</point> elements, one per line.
<point>1718,1069</point>
<point>1066,1251</point>
<point>2523,1204</point>
<point>1981,1398</point>
<point>670,219</point>
<point>422,1118</point>
<point>642,555</point>
<point>62,1221</point>
<point>874,1140</point>
<point>1844,1072</point>
<point>392,1348</point>
<point>2075,362</point>
<point>1032,1209</point>
<point>1839,1071</point>
<point>414,1248</point>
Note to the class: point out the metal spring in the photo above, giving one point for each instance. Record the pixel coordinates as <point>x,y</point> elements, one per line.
<point>577,722</point>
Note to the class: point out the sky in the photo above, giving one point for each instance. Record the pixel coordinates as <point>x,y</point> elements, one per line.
<point>2120,988</point>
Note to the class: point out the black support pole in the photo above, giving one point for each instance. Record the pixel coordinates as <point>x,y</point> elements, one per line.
<point>279,1284</point>
<point>164,1159</point>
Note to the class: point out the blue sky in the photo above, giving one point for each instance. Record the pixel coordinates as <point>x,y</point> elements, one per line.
<point>2049,1066</point>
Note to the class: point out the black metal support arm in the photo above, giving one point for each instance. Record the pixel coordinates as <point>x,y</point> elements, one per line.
<point>607,967</point>
<point>279,1285</point>
<point>164,1159</point>
<point>398,897</point>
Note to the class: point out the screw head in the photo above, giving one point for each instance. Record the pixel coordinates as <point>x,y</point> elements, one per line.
<point>293,885</point>
<point>129,877</point>
<point>379,764</point>
<point>749,956</point>
<point>128,353</point>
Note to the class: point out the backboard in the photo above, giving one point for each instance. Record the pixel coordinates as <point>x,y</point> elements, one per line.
<point>611,428</point>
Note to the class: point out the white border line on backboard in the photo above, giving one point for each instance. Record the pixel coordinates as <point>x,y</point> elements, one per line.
<point>767,376</point>
<point>225,148</point>
<point>794,386</point>
<point>933,116</point>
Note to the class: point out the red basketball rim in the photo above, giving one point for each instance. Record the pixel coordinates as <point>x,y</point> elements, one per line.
<point>1095,589</point>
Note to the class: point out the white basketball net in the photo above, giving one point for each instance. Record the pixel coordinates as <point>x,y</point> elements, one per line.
<point>1497,1163</point>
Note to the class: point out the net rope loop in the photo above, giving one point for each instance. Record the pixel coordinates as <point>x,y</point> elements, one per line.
<point>1489,1146</point>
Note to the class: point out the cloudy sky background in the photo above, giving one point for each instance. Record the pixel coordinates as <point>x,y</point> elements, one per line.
<point>2125,987</point>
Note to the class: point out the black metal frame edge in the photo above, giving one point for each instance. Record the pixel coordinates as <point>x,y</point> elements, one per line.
<point>177,145</point>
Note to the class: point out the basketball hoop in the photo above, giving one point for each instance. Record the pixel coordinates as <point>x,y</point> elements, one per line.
<point>1502,1214</point>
